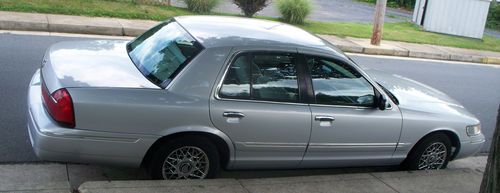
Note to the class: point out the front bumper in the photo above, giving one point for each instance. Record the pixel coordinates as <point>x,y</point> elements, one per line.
<point>471,146</point>
<point>52,142</point>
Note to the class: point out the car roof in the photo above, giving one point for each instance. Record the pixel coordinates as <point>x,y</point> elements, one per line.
<point>220,31</point>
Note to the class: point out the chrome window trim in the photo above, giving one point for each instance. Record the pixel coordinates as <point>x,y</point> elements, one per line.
<point>341,106</point>
<point>228,64</point>
<point>237,53</point>
<point>257,101</point>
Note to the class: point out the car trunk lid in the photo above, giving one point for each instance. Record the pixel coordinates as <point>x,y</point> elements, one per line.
<point>98,63</point>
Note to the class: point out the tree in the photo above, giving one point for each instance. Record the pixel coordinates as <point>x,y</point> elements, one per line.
<point>491,177</point>
<point>250,7</point>
<point>378,23</point>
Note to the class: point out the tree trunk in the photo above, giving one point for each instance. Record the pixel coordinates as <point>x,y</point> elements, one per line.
<point>378,23</point>
<point>491,181</point>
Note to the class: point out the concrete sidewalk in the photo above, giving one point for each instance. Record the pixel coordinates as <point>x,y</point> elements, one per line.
<point>452,180</point>
<point>461,176</point>
<point>123,27</point>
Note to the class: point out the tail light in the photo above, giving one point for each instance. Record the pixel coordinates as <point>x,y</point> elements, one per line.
<point>59,105</point>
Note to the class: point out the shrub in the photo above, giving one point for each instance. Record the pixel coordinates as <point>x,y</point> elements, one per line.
<point>250,7</point>
<point>294,11</point>
<point>494,16</point>
<point>201,6</point>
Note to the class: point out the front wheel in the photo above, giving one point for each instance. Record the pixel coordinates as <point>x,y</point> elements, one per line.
<point>185,158</point>
<point>432,153</point>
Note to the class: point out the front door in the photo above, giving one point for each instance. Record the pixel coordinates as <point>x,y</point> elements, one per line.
<point>347,129</point>
<point>258,105</point>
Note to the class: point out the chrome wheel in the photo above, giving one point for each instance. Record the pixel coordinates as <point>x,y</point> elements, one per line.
<point>433,157</point>
<point>186,162</point>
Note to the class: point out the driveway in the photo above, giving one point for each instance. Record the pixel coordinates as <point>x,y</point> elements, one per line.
<point>324,10</point>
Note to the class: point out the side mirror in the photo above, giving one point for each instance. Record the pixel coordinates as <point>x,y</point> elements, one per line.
<point>380,100</point>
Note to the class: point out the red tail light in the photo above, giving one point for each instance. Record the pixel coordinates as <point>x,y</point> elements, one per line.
<point>60,106</point>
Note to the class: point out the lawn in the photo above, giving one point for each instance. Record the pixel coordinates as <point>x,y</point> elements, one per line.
<point>406,32</point>
<point>99,8</point>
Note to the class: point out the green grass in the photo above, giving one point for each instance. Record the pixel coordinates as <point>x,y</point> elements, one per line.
<point>405,31</point>
<point>98,8</point>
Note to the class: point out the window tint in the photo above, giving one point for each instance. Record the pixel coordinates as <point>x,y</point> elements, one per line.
<point>266,76</point>
<point>162,51</point>
<point>339,84</point>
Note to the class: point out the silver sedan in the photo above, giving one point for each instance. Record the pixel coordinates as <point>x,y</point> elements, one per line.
<point>199,93</point>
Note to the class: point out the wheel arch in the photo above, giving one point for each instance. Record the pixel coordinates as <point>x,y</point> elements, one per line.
<point>222,141</point>
<point>450,133</point>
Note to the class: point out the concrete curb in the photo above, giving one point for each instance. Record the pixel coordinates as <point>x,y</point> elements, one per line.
<point>403,181</point>
<point>490,60</point>
<point>60,177</point>
<point>73,24</point>
<point>124,27</point>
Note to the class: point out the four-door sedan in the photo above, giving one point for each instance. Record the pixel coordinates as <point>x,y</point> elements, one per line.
<point>199,93</point>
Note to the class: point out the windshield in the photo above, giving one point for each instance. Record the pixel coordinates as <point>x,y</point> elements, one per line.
<point>161,52</point>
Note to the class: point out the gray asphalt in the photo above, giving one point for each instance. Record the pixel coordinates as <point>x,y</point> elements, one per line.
<point>20,55</point>
<point>323,10</point>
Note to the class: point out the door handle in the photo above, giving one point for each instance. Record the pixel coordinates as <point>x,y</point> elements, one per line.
<point>324,118</point>
<point>233,114</point>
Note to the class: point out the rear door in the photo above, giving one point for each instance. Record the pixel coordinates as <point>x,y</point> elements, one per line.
<point>259,105</point>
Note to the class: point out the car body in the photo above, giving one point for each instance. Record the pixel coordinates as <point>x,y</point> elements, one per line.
<point>260,91</point>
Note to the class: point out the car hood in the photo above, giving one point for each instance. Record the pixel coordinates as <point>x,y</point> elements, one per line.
<point>97,63</point>
<point>417,97</point>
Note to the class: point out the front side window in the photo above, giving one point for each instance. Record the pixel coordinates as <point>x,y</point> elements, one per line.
<point>335,83</point>
<point>262,76</point>
<point>163,51</point>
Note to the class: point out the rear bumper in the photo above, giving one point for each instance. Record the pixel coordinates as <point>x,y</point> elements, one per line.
<point>54,143</point>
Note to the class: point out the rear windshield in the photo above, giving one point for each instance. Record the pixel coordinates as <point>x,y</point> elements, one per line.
<point>161,52</point>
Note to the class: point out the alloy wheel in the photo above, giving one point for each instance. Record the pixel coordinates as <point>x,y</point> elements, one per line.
<point>186,162</point>
<point>433,157</point>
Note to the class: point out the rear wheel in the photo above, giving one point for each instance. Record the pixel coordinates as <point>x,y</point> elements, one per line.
<point>432,153</point>
<point>191,157</point>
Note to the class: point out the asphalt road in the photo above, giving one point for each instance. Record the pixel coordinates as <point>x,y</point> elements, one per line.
<point>323,10</point>
<point>475,86</point>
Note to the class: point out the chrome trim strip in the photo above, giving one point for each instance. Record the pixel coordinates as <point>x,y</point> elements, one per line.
<point>351,145</point>
<point>265,144</point>
<point>404,144</point>
<point>478,141</point>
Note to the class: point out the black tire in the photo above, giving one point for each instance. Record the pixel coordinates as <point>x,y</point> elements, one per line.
<point>438,139</point>
<point>158,159</point>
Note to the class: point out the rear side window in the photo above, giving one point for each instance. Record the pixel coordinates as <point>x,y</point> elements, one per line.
<point>263,77</point>
<point>163,51</point>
